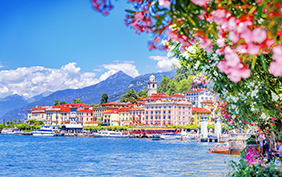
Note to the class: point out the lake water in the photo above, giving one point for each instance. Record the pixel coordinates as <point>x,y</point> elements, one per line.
<point>86,156</point>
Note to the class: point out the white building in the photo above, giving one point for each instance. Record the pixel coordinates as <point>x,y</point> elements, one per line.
<point>152,85</point>
<point>196,96</point>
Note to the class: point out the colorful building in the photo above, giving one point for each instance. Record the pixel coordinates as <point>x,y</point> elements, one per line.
<point>197,113</point>
<point>164,112</point>
<point>110,118</point>
<point>196,96</point>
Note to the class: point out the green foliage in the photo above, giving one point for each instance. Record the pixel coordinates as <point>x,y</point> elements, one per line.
<point>130,96</point>
<point>163,88</point>
<point>192,126</point>
<point>244,169</point>
<point>110,128</point>
<point>62,102</point>
<point>143,93</point>
<point>104,98</point>
<point>56,103</point>
<point>181,83</point>
<point>77,101</point>
<point>95,105</point>
<point>171,87</point>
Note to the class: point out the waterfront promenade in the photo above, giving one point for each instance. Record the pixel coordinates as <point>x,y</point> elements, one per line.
<point>76,156</point>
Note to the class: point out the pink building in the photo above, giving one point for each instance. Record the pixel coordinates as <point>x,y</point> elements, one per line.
<point>167,112</point>
<point>84,115</point>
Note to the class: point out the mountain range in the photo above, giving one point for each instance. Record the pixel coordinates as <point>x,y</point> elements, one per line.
<point>16,107</point>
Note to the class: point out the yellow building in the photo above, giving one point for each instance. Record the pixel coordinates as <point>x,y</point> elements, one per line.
<point>197,113</point>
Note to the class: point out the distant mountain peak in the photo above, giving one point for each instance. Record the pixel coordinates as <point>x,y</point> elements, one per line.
<point>119,74</point>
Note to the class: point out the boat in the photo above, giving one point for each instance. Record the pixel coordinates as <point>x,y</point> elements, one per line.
<point>184,135</point>
<point>46,131</point>
<point>170,136</point>
<point>223,149</point>
<point>156,137</point>
<point>11,131</point>
<point>110,134</point>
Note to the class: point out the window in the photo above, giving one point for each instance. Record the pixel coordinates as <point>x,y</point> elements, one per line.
<point>164,107</point>
<point>147,118</point>
<point>164,113</point>
<point>146,112</point>
<point>151,117</point>
<point>164,117</point>
<point>169,112</point>
<point>183,107</point>
<point>179,113</point>
<point>168,117</point>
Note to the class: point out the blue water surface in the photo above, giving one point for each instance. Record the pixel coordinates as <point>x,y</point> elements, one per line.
<point>86,156</point>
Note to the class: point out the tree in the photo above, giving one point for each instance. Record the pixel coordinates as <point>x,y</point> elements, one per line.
<point>163,88</point>
<point>104,98</point>
<point>56,103</point>
<point>62,102</point>
<point>77,101</point>
<point>143,93</point>
<point>171,87</point>
<point>185,84</point>
<point>95,105</point>
<point>130,96</point>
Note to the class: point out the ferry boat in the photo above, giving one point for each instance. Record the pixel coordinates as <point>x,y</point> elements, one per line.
<point>185,135</point>
<point>45,131</point>
<point>110,134</point>
<point>170,136</point>
<point>11,131</point>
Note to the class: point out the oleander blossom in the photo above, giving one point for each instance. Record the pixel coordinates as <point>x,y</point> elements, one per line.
<point>201,2</point>
<point>164,3</point>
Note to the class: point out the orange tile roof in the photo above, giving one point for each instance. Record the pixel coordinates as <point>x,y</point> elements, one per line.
<point>200,110</point>
<point>207,101</point>
<point>196,90</point>
<point>85,110</point>
<point>123,109</point>
<point>37,108</point>
<point>111,112</point>
<point>159,95</point>
<point>177,95</point>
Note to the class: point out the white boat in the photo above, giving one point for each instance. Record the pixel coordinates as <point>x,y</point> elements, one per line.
<point>44,131</point>
<point>170,136</point>
<point>110,134</point>
<point>11,131</point>
<point>186,135</point>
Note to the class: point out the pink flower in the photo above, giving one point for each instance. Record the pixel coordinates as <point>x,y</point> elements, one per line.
<point>201,2</point>
<point>259,35</point>
<point>251,124</point>
<point>164,3</point>
<point>276,68</point>
<point>232,122</point>
<point>233,37</point>
<point>139,16</point>
<point>202,16</point>
<point>272,124</point>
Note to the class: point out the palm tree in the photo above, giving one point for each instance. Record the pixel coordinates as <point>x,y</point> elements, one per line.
<point>20,121</point>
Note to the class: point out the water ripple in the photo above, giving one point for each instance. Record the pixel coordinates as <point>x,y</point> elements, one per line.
<point>69,156</point>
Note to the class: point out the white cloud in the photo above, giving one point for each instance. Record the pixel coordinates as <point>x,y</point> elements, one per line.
<point>126,67</point>
<point>97,70</point>
<point>1,65</point>
<point>34,80</point>
<point>31,81</point>
<point>165,63</point>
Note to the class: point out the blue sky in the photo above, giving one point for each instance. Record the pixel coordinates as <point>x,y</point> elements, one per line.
<point>53,45</point>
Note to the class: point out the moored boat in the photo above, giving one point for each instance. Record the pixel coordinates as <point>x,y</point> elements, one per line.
<point>45,131</point>
<point>11,131</point>
<point>110,134</point>
<point>223,149</point>
<point>170,136</point>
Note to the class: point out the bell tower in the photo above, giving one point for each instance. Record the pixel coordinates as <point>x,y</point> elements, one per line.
<point>152,85</point>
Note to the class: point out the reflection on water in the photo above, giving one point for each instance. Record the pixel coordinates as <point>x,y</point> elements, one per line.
<point>68,156</point>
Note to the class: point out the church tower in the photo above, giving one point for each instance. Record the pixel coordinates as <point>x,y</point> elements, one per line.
<point>152,85</point>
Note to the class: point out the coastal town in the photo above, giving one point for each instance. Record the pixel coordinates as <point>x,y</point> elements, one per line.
<point>157,109</point>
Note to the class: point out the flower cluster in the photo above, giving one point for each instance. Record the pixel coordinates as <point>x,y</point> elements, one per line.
<point>253,156</point>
